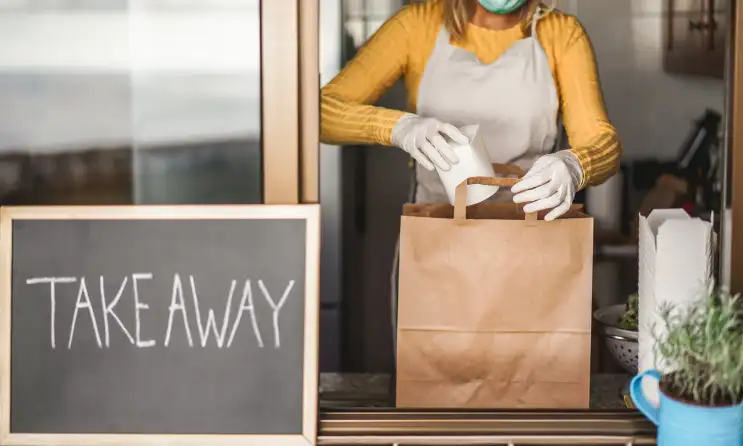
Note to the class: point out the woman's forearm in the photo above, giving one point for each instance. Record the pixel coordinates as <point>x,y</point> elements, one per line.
<point>347,113</point>
<point>599,160</point>
<point>345,122</point>
<point>593,140</point>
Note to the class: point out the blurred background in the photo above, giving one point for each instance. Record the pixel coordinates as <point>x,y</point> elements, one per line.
<point>130,101</point>
<point>159,101</point>
<point>662,69</point>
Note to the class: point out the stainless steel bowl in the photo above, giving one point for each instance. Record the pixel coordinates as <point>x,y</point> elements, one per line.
<point>621,343</point>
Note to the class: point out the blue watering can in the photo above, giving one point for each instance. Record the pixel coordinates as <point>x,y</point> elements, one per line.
<point>683,424</point>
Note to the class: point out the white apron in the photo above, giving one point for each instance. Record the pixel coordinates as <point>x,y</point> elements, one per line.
<point>514,101</point>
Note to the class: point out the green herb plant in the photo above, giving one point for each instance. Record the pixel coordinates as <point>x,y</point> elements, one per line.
<point>630,316</point>
<point>703,347</point>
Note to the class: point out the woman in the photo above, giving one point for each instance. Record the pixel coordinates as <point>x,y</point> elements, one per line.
<point>507,65</point>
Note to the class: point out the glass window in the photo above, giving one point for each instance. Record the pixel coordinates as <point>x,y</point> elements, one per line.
<point>130,101</point>
<point>195,81</point>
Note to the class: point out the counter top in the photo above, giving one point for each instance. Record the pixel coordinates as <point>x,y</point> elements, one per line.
<point>345,390</point>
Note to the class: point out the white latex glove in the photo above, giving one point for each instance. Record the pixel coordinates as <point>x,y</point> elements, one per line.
<point>550,184</point>
<point>423,139</point>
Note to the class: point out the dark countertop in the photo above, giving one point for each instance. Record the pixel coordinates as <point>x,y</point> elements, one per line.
<point>344,390</point>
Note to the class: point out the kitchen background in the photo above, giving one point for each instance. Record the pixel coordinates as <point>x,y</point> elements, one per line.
<point>158,101</point>
<point>654,96</point>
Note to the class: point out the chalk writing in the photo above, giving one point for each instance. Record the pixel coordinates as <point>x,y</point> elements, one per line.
<point>52,281</point>
<point>276,307</point>
<point>196,312</point>
<point>210,320</point>
<point>139,306</point>
<point>108,310</point>
<point>247,298</point>
<point>177,304</point>
<point>79,304</point>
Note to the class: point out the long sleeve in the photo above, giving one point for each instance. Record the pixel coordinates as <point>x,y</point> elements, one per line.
<point>347,116</point>
<point>593,140</point>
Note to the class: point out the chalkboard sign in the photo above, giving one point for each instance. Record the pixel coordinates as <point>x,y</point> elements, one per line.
<point>159,325</point>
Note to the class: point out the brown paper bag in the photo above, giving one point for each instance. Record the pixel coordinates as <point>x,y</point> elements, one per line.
<point>494,306</point>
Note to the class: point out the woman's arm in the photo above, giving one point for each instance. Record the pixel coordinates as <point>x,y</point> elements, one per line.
<point>346,116</point>
<point>593,140</point>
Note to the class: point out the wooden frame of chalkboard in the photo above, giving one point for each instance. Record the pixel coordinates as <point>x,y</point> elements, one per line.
<point>309,419</point>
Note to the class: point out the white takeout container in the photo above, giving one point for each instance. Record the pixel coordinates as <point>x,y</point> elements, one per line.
<point>676,258</point>
<point>473,162</point>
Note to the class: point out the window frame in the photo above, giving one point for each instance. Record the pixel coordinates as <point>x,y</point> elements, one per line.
<point>280,137</point>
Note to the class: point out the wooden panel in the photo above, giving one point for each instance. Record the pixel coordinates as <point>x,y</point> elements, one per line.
<point>280,100</point>
<point>309,88</point>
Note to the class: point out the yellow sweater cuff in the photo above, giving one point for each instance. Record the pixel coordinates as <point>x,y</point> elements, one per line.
<point>582,154</point>
<point>386,120</point>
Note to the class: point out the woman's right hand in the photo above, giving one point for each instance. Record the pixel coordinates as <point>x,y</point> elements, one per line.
<point>423,139</point>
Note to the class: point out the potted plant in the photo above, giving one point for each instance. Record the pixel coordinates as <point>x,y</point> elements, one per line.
<point>701,397</point>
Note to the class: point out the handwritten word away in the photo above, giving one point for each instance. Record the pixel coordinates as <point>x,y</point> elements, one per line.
<point>178,309</point>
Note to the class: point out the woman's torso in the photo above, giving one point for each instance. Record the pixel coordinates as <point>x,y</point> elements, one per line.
<point>500,80</point>
<point>488,45</point>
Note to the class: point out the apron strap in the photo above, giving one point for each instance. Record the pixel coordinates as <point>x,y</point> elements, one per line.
<point>538,14</point>
<point>443,41</point>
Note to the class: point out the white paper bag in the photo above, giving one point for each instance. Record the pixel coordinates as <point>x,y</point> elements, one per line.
<point>473,162</point>
<point>675,260</point>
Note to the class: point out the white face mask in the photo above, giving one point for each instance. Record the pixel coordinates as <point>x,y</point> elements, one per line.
<point>502,6</point>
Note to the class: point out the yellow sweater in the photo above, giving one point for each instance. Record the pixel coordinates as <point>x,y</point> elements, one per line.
<point>402,47</point>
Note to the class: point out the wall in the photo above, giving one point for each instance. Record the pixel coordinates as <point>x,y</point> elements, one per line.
<point>652,110</point>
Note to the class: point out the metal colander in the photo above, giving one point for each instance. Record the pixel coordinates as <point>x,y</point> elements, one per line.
<point>621,343</point>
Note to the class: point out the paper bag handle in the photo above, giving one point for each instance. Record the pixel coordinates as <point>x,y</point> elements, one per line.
<point>508,169</point>
<point>460,194</point>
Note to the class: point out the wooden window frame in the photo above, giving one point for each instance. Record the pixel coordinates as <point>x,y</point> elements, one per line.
<point>290,82</point>
<point>309,90</point>
<point>280,100</point>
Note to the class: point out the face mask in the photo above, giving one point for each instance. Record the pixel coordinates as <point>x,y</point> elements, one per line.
<point>502,6</point>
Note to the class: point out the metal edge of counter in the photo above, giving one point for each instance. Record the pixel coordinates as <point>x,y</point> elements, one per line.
<point>393,426</point>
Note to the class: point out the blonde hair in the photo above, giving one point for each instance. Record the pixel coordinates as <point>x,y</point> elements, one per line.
<point>457,14</point>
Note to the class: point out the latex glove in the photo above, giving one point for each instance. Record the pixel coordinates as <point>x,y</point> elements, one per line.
<point>423,139</point>
<point>550,184</point>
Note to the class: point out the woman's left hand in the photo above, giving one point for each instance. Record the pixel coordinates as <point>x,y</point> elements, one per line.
<point>550,184</point>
